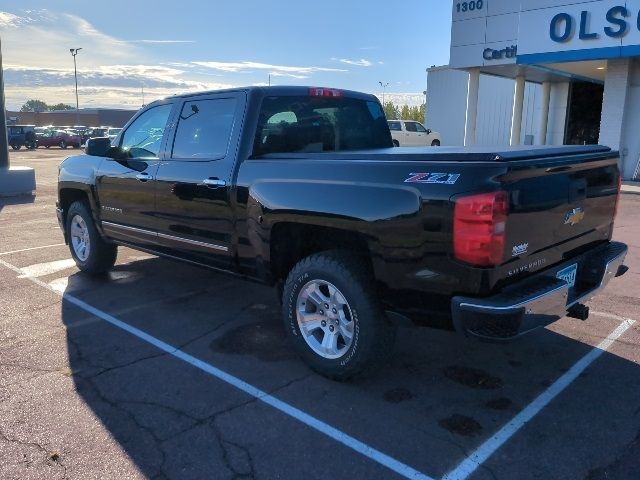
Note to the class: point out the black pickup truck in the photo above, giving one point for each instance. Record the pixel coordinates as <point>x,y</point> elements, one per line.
<point>302,189</point>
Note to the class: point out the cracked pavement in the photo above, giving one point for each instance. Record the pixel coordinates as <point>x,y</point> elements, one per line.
<point>81,399</point>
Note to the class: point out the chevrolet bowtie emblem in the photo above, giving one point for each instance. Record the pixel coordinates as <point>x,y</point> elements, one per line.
<point>574,217</point>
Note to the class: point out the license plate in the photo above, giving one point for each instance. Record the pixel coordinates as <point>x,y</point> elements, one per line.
<point>568,275</point>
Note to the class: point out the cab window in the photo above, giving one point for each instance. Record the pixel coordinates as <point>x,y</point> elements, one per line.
<point>310,124</point>
<point>143,138</point>
<point>204,129</point>
<point>410,126</point>
<point>420,128</point>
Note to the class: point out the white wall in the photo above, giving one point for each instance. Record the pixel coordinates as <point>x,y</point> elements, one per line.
<point>447,105</point>
<point>557,113</point>
<point>621,113</point>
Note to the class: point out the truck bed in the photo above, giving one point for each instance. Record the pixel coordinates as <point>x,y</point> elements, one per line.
<point>458,154</point>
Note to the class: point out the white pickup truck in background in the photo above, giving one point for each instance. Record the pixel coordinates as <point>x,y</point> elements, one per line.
<point>408,133</point>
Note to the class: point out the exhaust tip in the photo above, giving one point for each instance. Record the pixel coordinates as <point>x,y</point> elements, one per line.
<point>622,269</point>
<point>579,311</point>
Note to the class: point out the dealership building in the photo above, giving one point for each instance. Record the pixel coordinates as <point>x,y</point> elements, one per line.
<point>543,72</point>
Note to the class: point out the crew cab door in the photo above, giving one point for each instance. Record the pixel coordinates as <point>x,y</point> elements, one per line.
<point>193,210</point>
<point>126,188</point>
<point>415,137</point>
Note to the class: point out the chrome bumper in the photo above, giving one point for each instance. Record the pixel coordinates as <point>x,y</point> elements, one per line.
<point>538,301</point>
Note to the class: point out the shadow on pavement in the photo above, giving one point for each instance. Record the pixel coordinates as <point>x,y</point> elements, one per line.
<point>438,399</point>
<point>16,200</point>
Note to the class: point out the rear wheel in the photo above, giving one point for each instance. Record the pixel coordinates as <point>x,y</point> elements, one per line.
<point>435,143</point>
<point>396,143</point>
<point>63,144</point>
<point>332,316</point>
<point>91,253</point>
<point>47,146</point>
<point>16,147</point>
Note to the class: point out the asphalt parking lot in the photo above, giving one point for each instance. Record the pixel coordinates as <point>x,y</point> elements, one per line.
<point>164,370</point>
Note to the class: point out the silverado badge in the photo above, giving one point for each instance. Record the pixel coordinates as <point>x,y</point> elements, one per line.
<point>574,217</point>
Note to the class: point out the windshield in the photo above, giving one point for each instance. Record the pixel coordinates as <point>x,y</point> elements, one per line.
<point>114,131</point>
<point>289,124</point>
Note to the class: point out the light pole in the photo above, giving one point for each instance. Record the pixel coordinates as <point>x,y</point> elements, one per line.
<point>74,52</point>
<point>426,99</point>
<point>384,89</point>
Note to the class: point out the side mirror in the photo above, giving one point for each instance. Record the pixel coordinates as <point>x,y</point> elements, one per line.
<point>116,153</point>
<point>97,147</point>
<point>428,131</point>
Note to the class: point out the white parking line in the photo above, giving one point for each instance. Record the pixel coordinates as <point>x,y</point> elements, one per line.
<point>32,248</point>
<point>377,456</point>
<point>488,448</point>
<point>47,268</point>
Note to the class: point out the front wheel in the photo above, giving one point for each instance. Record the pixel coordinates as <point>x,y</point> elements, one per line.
<point>63,144</point>
<point>16,147</point>
<point>91,253</point>
<point>332,316</point>
<point>435,143</point>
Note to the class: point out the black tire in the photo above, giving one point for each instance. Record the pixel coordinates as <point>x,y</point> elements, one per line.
<point>396,143</point>
<point>435,143</point>
<point>16,147</point>
<point>102,255</point>
<point>373,335</point>
<point>47,146</point>
<point>63,144</point>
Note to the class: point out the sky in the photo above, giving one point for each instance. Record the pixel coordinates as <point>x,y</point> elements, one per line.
<point>169,47</point>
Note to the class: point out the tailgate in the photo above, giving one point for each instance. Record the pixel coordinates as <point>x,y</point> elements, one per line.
<point>558,208</point>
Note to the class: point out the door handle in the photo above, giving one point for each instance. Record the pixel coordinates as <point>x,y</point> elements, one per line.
<point>214,183</point>
<point>143,176</point>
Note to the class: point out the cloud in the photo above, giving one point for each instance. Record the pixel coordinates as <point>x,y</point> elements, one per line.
<point>101,86</point>
<point>411,99</point>
<point>358,63</point>
<point>9,20</point>
<point>275,70</point>
<point>160,41</point>
<point>43,38</point>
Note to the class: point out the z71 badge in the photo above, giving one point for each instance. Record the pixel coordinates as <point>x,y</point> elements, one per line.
<point>434,178</point>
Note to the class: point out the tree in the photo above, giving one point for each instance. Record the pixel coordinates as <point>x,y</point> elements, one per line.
<point>391,111</point>
<point>405,112</point>
<point>61,106</point>
<point>34,105</point>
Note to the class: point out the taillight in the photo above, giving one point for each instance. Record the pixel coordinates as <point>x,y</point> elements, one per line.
<point>615,211</point>
<point>479,225</point>
<point>325,92</point>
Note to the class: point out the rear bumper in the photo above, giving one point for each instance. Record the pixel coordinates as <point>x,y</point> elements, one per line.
<point>539,300</point>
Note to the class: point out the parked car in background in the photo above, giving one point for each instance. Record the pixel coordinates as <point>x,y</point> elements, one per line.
<point>20,136</point>
<point>97,132</point>
<point>112,133</point>
<point>407,133</point>
<point>59,138</point>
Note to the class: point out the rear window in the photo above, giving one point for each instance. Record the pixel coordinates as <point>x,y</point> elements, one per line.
<point>395,126</point>
<point>289,124</point>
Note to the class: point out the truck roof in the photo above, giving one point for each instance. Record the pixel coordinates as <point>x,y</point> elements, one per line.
<point>279,90</point>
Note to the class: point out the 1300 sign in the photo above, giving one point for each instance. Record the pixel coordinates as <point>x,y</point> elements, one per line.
<point>470,6</point>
